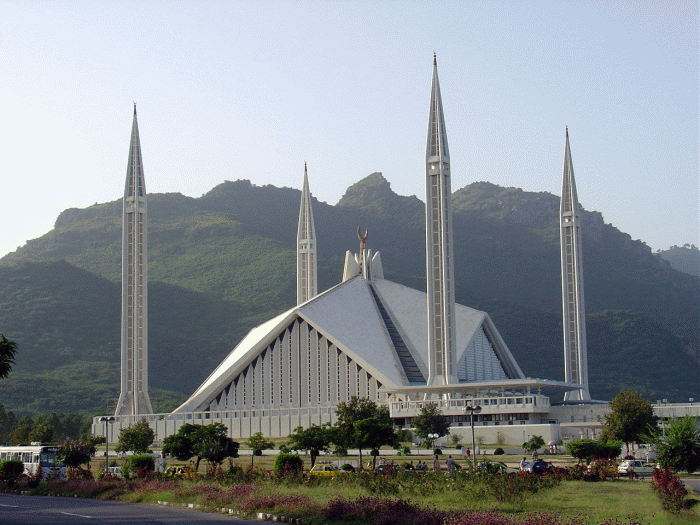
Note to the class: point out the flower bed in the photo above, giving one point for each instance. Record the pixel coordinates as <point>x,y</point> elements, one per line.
<point>399,497</point>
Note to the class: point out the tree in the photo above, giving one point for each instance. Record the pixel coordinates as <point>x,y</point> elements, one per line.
<point>533,443</point>
<point>362,424</point>
<point>65,425</point>
<point>372,433</point>
<point>179,445</point>
<point>21,432</point>
<point>679,448</point>
<point>41,433</point>
<point>314,440</point>
<point>8,350</point>
<point>75,452</point>
<point>431,421</point>
<point>136,438</point>
<point>258,443</point>
<point>208,442</point>
<point>8,422</point>
<point>211,443</point>
<point>404,435</point>
<point>631,420</point>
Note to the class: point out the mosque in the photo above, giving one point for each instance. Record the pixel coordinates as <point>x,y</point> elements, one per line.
<point>370,337</point>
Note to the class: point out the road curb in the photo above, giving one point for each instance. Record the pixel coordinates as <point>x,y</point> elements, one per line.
<point>261,516</point>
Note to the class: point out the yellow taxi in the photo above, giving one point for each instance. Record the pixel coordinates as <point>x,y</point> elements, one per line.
<point>324,470</point>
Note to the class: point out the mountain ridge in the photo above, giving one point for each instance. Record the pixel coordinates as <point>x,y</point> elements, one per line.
<point>225,262</point>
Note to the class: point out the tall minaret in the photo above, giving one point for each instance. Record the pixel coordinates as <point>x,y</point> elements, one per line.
<point>438,245</point>
<point>133,399</point>
<point>306,247</point>
<point>574,311</point>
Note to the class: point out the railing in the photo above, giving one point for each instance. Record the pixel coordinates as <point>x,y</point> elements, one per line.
<point>529,403</point>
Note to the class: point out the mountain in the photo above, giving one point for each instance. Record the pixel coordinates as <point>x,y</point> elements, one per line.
<point>66,322</point>
<point>685,258</point>
<point>224,262</point>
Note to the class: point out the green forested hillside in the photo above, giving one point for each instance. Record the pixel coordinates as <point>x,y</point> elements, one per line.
<point>66,323</point>
<point>684,258</point>
<point>222,263</point>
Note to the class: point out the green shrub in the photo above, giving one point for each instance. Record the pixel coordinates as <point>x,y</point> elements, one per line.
<point>437,452</point>
<point>138,465</point>
<point>10,470</point>
<point>670,489</point>
<point>288,462</point>
<point>458,446</point>
<point>257,452</point>
<point>498,452</point>
<point>347,467</point>
<point>374,452</point>
<point>585,449</point>
<point>340,451</point>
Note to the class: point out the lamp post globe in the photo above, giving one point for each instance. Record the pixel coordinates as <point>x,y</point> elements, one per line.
<point>432,436</point>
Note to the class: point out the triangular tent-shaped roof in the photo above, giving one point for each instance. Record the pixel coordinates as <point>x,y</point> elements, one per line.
<point>350,317</point>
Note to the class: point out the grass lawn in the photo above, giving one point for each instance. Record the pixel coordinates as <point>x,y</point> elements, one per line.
<point>610,499</point>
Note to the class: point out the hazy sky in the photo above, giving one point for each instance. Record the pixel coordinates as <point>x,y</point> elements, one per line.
<point>251,89</point>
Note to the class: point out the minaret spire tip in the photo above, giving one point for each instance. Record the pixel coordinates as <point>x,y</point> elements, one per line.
<point>306,247</point>
<point>134,108</point>
<point>434,58</point>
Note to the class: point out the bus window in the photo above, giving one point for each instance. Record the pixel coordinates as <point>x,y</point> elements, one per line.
<point>48,459</point>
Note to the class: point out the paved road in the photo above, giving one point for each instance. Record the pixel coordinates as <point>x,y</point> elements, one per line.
<point>47,510</point>
<point>692,482</point>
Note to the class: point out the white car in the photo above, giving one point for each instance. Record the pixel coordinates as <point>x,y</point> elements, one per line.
<point>635,468</point>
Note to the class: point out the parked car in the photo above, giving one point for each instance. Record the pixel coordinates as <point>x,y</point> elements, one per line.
<point>539,467</point>
<point>324,471</point>
<point>635,468</point>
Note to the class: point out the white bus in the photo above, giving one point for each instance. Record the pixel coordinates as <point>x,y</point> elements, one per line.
<point>34,456</point>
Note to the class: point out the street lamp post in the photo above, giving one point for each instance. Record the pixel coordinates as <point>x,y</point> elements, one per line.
<point>471,409</point>
<point>432,438</point>
<point>107,420</point>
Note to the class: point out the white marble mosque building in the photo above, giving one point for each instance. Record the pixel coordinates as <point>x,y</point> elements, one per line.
<point>370,337</point>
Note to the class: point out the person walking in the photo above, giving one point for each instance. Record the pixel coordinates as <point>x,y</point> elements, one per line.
<point>436,463</point>
<point>450,464</point>
<point>522,463</point>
